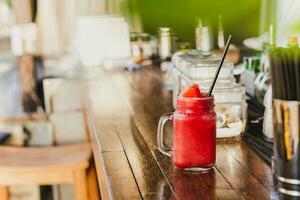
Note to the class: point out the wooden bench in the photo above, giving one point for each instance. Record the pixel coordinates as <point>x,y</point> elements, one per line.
<point>45,166</point>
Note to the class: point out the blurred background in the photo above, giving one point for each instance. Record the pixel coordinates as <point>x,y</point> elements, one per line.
<point>183,16</point>
<point>45,43</point>
<point>243,19</point>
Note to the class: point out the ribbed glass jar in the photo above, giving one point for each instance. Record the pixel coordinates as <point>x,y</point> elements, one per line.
<point>230,98</point>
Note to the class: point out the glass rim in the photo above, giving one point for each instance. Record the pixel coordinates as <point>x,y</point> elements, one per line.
<point>226,64</point>
<point>195,98</point>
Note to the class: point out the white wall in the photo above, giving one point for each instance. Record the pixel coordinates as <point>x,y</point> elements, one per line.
<point>288,20</point>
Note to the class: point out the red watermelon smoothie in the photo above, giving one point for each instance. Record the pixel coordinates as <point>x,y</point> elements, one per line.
<point>194,135</point>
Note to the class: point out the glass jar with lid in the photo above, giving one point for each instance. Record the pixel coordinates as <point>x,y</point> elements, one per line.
<point>230,98</point>
<point>230,105</point>
<point>172,74</point>
<point>181,63</point>
<point>205,69</point>
<point>200,66</point>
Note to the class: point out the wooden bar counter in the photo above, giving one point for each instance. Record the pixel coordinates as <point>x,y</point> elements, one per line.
<point>124,111</point>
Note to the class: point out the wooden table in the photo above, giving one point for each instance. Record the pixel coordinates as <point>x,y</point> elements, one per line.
<point>126,107</point>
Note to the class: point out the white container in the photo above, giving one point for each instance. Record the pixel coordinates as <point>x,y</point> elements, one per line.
<point>24,39</point>
<point>165,49</point>
<point>203,39</point>
<point>268,115</point>
<point>102,38</point>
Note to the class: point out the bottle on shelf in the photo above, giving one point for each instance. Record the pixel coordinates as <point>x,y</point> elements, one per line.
<point>202,37</point>
<point>221,42</point>
<point>166,44</point>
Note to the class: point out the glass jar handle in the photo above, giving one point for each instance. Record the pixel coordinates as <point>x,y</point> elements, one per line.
<point>160,133</point>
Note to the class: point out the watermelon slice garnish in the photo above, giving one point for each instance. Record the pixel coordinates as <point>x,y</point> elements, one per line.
<point>192,92</point>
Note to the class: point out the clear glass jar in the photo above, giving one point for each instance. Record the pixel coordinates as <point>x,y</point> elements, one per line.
<point>230,98</point>
<point>230,106</point>
<point>172,73</point>
<point>146,46</point>
<point>179,78</point>
<point>198,65</point>
<point>205,68</point>
<point>177,85</point>
<point>194,134</point>
<point>231,109</point>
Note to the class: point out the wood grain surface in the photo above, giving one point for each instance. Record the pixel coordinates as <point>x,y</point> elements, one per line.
<point>125,108</point>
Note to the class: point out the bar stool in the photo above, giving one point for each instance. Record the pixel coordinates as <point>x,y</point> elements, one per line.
<point>45,166</point>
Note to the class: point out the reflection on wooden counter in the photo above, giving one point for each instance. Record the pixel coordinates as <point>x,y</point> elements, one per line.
<point>125,108</point>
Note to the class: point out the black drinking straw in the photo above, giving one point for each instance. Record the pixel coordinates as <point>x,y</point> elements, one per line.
<point>287,76</point>
<point>220,66</point>
<point>273,69</point>
<point>285,73</point>
<point>277,78</point>
<point>292,73</point>
<point>281,75</point>
<point>296,73</point>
